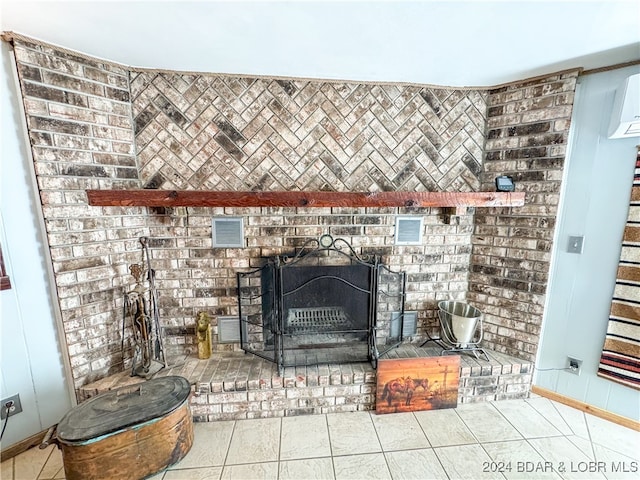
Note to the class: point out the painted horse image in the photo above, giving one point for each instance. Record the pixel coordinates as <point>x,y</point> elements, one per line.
<point>403,386</point>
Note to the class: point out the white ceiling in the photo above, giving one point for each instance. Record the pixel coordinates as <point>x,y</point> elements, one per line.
<point>453,43</point>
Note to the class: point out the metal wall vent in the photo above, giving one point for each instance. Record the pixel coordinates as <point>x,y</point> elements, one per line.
<point>228,232</point>
<point>408,230</point>
<point>410,326</point>
<point>228,330</point>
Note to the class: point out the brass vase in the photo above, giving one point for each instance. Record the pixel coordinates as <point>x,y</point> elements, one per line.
<point>203,332</point>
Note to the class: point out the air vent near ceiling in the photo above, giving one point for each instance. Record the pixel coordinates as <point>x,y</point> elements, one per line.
<point>228,232</point>
<point>408,230</point>
<point>409,328</point>
<point>228,330</point>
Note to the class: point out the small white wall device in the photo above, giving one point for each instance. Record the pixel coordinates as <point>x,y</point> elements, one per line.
<point>625,119</point>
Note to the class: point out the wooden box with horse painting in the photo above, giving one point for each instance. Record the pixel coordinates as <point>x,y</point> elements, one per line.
<point>423,383</point>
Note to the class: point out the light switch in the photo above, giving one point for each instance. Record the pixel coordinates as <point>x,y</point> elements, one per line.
<point>575,244</point>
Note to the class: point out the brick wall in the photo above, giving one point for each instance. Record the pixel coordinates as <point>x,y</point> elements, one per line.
<point>96,125</point>
<point>527,132</point>
<point>78,114</point>
<point>193,276</point>
<point>239,133</point>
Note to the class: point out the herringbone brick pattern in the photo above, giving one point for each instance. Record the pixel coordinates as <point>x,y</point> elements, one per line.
<point>235,133</point>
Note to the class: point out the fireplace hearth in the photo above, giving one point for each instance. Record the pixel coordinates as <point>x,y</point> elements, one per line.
<point>323,304</point>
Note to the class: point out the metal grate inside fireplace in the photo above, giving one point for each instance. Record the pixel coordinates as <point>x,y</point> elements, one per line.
<point>325,304</point>
<point>310,320</point>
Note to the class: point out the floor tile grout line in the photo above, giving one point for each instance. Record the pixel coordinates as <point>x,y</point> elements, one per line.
<point>12,462</point>
<point>466,426</point>
<point>549,421</point>
<point>373,425</point>
<point>589,433</point>
<point>226,455</point>
<point>46,460</point>
<point>441,464</point>
<point>380,443</point>
<point>435,451</point>
<point>421,428</point>
<point>631,459</point>
<point>480,443</point>
<point>553,404</point>
<point>545,417</point>
<point>326,421</point>
<point>540,453</point>
<point>596,442</point>
<point>430,445</point>
<point>505,417</point>
<point>37,475</point>
<point>578,447</point>
<point>279,449</point>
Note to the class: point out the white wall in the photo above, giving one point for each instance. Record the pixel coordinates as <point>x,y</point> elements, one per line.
<point>451,42</point>
<point>31,360</point>
<point>595,202</point>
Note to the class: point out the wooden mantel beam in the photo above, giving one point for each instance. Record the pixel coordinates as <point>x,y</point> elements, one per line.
<point>195,198</point>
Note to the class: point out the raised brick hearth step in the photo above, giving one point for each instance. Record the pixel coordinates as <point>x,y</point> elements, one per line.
<point>234,385</point>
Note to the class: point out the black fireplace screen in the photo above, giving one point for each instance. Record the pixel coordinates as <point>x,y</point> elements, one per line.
<point>326,304</point>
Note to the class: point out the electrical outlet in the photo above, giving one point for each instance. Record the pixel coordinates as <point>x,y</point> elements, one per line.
<point>14,409</point>
<point>573,365</point>
<point>575,244</point>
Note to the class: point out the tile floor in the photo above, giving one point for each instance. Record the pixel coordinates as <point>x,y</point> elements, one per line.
<point>533,438</point>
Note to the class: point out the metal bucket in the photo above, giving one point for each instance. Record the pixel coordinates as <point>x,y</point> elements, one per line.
<point>459,321</point>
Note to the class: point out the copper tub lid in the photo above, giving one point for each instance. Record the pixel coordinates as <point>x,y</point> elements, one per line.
<point>121,408</point>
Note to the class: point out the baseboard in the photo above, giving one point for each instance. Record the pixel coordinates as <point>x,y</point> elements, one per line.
<point>585,407</point>
<point>23,446</point>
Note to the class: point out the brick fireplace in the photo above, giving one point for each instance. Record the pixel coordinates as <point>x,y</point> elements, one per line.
<point>93,124</point>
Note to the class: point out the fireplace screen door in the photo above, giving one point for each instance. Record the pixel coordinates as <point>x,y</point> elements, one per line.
<point>323,305</point>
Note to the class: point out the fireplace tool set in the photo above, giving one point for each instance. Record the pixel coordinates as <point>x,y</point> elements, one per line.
<point>140,309</point>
